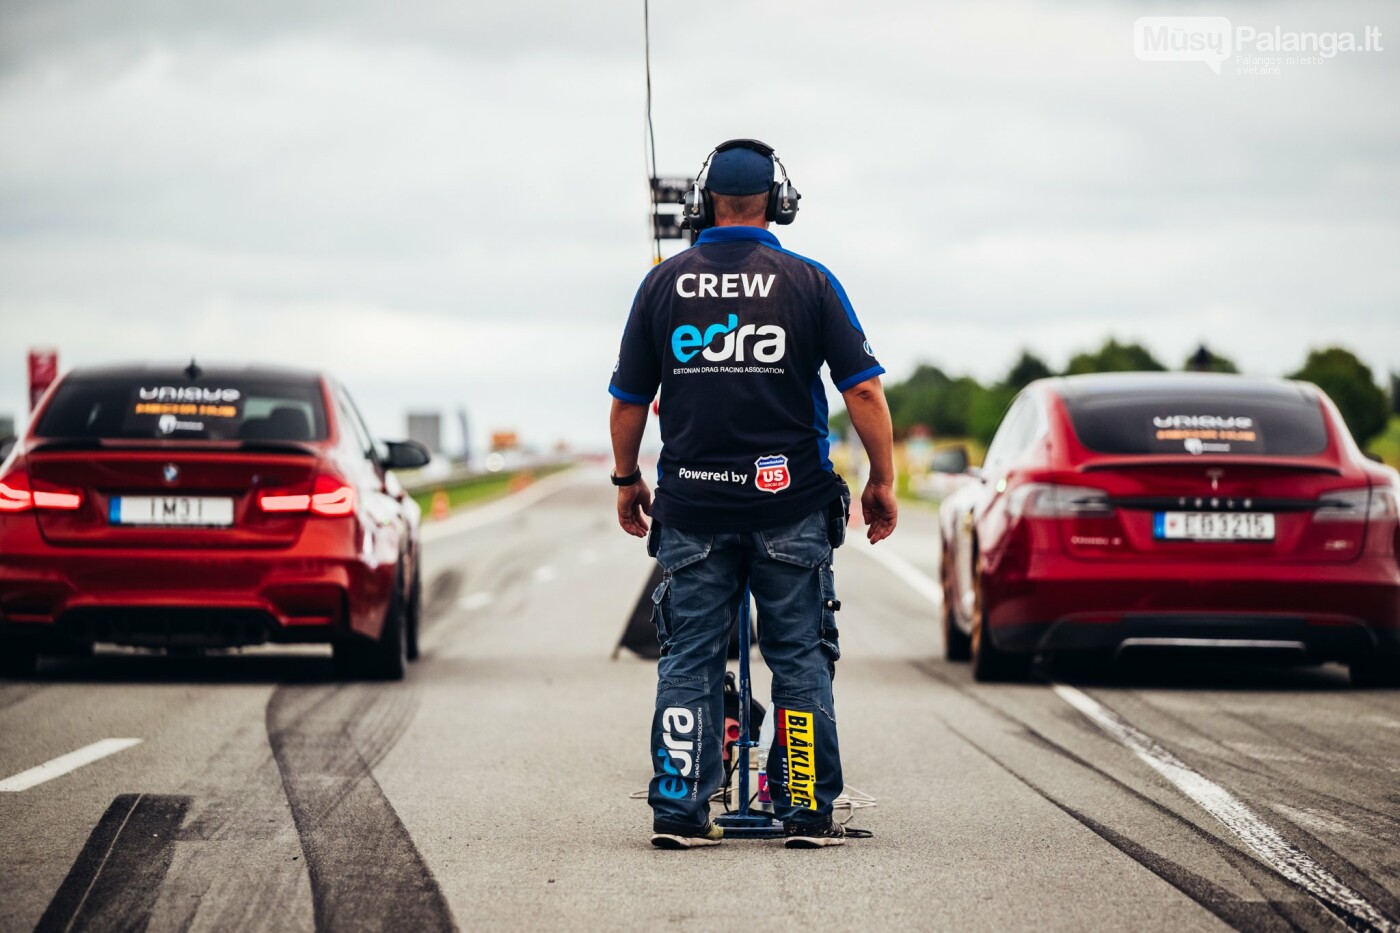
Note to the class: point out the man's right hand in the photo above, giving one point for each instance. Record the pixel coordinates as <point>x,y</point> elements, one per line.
<point>632,503</point>
<point>881,511</point>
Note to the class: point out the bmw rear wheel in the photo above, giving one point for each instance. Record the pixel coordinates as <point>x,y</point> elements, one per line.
<point>360,659</point>
<point>414,619</point>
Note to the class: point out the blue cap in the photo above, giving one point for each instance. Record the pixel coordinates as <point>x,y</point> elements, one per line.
<point>739,171</point>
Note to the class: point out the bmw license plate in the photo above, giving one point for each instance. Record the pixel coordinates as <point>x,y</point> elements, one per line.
<point>1214,526</point>
<point>201,511</point>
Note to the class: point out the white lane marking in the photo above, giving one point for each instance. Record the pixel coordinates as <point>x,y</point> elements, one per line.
<point>501,508</point>
<point>65,763</point>
<point>476,601</point>
<point>545,574</point>
<point>917,580</point>
<point>1286,859</point>
<point>1277,852</point>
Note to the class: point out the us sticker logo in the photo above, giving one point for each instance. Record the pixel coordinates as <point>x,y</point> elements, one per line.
<point>771,474</point>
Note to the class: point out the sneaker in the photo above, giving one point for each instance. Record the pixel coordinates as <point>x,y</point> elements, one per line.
<point>813,835</point>
<point>709,836</point>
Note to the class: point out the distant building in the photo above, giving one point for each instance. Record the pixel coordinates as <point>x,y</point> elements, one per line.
<point>426,429</point>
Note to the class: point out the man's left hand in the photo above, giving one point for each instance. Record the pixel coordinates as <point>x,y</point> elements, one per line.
<point>634,502</point>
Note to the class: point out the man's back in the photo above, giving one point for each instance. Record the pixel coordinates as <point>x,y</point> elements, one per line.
<point>735,331</point>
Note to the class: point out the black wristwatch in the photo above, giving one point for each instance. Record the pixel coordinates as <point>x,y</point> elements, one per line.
<point>631,479</point>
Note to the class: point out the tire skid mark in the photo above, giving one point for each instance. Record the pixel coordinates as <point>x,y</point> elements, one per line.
<point>10,694</point>
<point>117,876</point>
<point>1272,848</point>
<point>441,594</point>
<point>365,871</point>
<point>1310,912</point>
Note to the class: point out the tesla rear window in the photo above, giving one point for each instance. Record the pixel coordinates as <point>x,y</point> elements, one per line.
<point>210,409</point>
<point>1215,423</point>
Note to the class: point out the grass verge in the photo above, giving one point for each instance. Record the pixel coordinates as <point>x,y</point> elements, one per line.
<point>482,488</point>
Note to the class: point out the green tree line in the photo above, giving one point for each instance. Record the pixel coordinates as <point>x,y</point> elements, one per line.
<point>961,406</point>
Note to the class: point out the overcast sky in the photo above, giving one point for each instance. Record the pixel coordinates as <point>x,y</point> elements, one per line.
<point>446,205</point>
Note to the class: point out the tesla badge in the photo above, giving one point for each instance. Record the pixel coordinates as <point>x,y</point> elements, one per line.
<point>170,473</point>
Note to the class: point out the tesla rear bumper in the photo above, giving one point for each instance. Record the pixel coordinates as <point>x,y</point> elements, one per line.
<point>1324,612</point>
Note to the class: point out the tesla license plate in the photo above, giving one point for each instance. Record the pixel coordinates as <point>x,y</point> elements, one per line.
<point>200,511</point>
<point>1214,526</point>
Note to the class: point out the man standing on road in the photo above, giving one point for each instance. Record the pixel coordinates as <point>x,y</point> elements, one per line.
<point>735,331</point>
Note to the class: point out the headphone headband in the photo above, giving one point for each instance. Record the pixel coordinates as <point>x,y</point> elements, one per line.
<point>782,196</point>
<point>753,145</point>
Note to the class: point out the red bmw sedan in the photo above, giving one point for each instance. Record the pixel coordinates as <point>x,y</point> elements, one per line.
<point>192,508</point>
<point>1173,510</point>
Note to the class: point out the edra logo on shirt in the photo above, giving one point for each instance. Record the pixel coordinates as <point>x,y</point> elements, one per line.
<point>767,342</point>
<point>771,474</point>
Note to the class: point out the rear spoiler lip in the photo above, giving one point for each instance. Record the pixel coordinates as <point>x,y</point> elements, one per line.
<point>183,447</point>
<point>1149,461</point>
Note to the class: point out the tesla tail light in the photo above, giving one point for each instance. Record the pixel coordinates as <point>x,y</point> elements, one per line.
<point>1356,505</point>
<point>17,494</point>
<point>1051,500</point>
<point>329,496</point>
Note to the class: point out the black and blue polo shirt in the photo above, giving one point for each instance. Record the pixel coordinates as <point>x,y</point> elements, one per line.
<point>734,331</point>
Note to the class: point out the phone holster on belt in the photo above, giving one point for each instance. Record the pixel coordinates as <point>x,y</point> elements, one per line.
<point>838,515</point>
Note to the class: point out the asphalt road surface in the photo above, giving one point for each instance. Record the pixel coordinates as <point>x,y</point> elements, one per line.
<point>492,789</point>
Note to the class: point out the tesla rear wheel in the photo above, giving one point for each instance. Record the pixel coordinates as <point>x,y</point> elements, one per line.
<point>385,659</point>
<point>956,645</point>
<point>1375,672</point>
<point>18,660</point>
<point>990,664</point>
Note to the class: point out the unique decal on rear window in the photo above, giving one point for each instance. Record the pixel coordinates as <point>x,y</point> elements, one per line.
<point>1205,434</point>
<point>196,401</point>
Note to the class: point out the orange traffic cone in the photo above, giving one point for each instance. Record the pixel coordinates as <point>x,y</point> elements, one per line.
<point>441,506</point>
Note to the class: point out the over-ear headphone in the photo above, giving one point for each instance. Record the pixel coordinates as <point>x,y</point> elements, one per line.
<point>699,212</point>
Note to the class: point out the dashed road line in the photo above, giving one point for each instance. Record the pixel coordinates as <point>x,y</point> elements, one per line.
<point>63,764</point>
<point>1275,851</point>
<point>474,601</point>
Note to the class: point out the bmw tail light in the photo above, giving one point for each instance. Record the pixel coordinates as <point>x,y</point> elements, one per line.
<point>283,502</point>
<point>1356,505</point>
<point>1051,500</point>
<point>330,497</point>
<point>17,494</point>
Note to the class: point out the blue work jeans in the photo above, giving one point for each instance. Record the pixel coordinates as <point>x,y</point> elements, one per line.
<point>789,572</point>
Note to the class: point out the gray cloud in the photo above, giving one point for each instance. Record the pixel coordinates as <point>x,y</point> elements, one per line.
<point>386,191</point>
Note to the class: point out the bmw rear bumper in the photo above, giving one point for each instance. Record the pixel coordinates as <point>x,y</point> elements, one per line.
<point>67,596</point>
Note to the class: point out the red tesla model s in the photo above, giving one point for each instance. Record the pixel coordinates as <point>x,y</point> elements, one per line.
<point>1173,510</point>
<point>189,508</point>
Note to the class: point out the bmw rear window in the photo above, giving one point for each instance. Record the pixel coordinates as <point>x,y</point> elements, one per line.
<point>211,408</point>
<point>1214,423</point>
